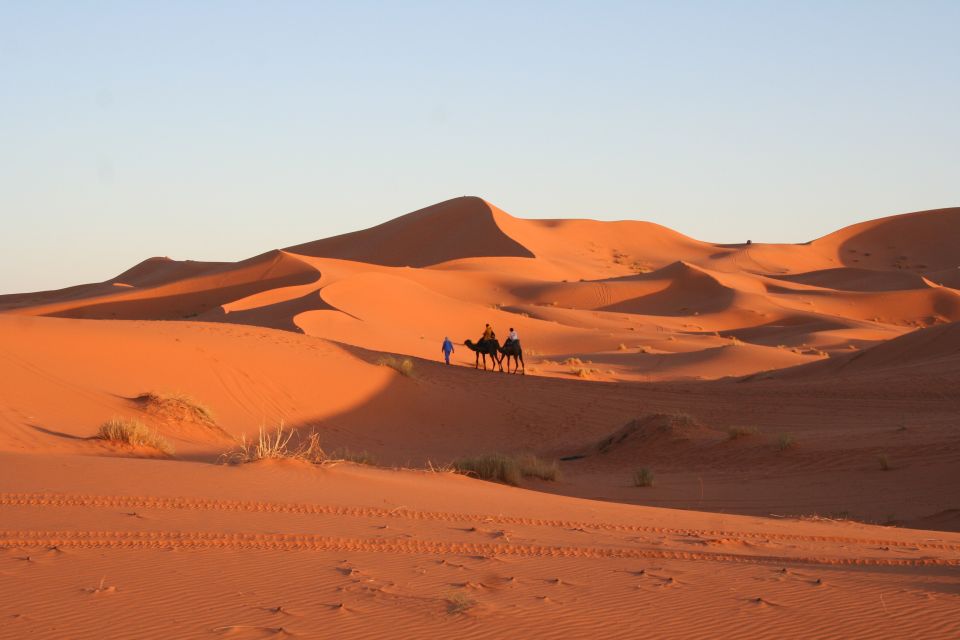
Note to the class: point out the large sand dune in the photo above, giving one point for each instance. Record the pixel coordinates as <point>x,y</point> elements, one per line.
<point>797,406</point>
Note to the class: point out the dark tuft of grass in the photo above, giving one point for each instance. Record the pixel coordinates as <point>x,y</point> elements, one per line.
<point>403,366</point>
<point>736,433</point>
<point>510,470</point>
<point>785,441</point>
<point>643,477</point>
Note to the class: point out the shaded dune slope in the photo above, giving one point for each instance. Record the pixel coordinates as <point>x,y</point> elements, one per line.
<point>459,228</point>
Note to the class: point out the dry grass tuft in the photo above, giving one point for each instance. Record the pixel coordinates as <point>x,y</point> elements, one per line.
<point>510,470</point>
<point>458,602</point>
<point>286,444</point>
<point>178,406</point>
<point>491,466</point>
<point>785,441</point>
<point>533,467</point>
<point>884,462</point>
<point>346,455</point>
<point>133,432</point>
<point>736,433</point>
<point>643,477</point>
<point>403,366</point>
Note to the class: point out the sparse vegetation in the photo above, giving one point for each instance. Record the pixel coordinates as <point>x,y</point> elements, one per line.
<point>269,445</point>
<point>495,467</point>
<point>785,441</point>
<point>346,455</point>
<point>133,432</point>
<point>643,477</point>
<point>178,406</point>
<point>533,467</point>
<point>403,366</point>
<point>282,443</point>
<point>622,347</point>
<point>459,602</point>
<point>735,433</point>
<point>507,469</point>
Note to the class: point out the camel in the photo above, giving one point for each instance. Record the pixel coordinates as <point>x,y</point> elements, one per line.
<point>485,348</point>
<point>515,351</point>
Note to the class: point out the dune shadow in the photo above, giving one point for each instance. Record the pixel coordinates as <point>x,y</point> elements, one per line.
<point>57,434</point>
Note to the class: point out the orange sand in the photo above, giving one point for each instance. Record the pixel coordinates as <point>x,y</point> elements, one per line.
<point>784,397</point>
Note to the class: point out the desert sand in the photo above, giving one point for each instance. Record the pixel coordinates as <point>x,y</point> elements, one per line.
<point>797,406</point>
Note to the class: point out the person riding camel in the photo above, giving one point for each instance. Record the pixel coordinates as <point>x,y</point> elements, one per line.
<point>488,333</point>
<point>512,337</point>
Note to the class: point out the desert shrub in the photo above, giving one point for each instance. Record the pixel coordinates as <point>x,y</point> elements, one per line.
<point>491,466</point>
<point>681,419</point>
<point>176,405</point>
<point>735,433</point>
<point>533,467</point>
<point>622,347</point>
<point>346,455</point>
<point>643,477</point>
<point>458,602</point>
<point>572,362</point>
<point>785,441</point>
<point>403,366</point>
<point>133,432</point>
<point>582,372</point>
<point>507,469</point>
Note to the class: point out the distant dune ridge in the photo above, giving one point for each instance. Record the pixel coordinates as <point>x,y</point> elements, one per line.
<point>751,439</point>
<point>573,288</point>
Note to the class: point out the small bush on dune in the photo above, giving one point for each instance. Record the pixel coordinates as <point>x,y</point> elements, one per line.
<point>507,469</point>
<point>176,405</point>
<point>269,445</point>
<point>282,443</point>
<point>133,432</point>
<point>785,441</point>
<point>643,477</point>
<point>735,433</point>
<point>403,366</point>
<point>459,603</point>
<point>533,467</point>
<point>346,455</point>
<point>492,466</point>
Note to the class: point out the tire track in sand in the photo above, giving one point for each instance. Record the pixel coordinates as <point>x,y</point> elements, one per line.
<point>167,540</point>
<point>151,502</point>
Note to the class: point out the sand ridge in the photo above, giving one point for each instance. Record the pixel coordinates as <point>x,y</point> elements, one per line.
<point>794,405</point>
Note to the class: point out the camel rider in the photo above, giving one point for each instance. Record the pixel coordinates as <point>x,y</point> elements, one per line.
<point>512,337</point>
<point>488,334</point>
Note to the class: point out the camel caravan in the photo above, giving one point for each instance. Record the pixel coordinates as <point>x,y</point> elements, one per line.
<point>488,345</point>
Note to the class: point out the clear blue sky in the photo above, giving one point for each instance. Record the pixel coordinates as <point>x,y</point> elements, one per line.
<point>219,130</point>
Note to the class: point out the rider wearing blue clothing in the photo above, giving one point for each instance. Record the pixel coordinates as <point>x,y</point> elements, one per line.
<point>447,349</point>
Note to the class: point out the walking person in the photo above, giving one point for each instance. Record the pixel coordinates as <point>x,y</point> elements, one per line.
<point>447,349</point>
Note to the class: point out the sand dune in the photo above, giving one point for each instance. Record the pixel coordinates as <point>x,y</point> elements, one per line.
<point>794,407</point>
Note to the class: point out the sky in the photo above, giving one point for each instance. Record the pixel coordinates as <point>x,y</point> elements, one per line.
<point>220,130</point>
